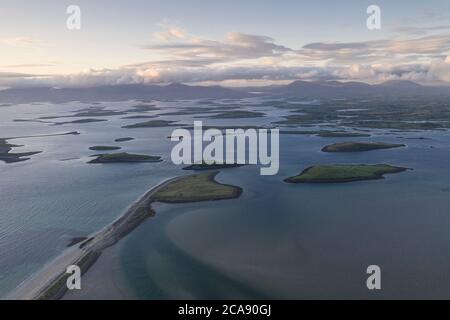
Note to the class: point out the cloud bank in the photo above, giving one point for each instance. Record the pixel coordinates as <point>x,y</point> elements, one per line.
<point>248,58</point>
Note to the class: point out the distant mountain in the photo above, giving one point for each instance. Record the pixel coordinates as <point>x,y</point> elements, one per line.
<point>118,93</point>
<point>300,89</point>
<point>337,89</point>
<point>401,84</point>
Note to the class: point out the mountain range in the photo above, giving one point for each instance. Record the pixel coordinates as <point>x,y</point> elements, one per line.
<point>176,91</point>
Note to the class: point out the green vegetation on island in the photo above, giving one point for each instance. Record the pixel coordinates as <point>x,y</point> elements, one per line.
<point>211,165</point>
<point>343,173</point>
<point>124,157</point>
<point>199,187</point>
<point>405,113</point>
<point>104,148</point>
<point>359,146</point>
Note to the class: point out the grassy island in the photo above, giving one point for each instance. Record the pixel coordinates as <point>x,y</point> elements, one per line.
<point>123,139</point>
<point>359,146</point>
<point>211,165</point>
<point>104,148</point>
<point>124,157</point>
<point>199,187</point>
<point>343,173</point>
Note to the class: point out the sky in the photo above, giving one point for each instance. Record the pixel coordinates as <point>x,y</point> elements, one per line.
<point>231,43</point>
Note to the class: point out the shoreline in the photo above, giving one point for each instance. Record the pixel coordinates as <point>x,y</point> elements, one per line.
<point>50,281</point>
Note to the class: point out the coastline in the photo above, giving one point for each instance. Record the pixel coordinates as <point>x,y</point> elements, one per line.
<point>50,281</point>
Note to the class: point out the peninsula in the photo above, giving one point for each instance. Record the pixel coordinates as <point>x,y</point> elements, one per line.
<point>50,281</point>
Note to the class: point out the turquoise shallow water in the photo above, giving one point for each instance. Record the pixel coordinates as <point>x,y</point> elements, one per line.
<point>277,241</point>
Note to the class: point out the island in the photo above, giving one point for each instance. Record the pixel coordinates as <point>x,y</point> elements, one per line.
<point>341,134</point>
<point>124,157</point>
<point>141,117</point>
<point>151,124</point>
<point>211,165</point>
<point>199,187</point>
<point>343,173</point>
<point>8,157</point>
<point>299,132</point>
<point>104,148</point>
<point>143,108</point>
<point>123,139</point>
<point>81,121</point>
<point>360,146</point>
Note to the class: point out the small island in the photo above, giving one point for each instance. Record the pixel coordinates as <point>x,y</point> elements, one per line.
<point>211,165</point>
<point>140,117</point>
<point>123,139</point>
<point>342,134</point>
<point>104,148</point>
<point>360,146</point>
<point>237,114</point>
<point>343,173</point>
<point>81,121</point>
<point>142,108</point>
<point>151,124</point>
<point>199,187</point>
<point>124,157</point>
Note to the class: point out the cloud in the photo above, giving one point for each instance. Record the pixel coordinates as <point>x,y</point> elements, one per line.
<point>11,75</point>
<point>20,41</point>
<point>420,31</point>
<point>245,57</point>
<point>171,33</point>
<point>27,65</point>
<point>236,46</point>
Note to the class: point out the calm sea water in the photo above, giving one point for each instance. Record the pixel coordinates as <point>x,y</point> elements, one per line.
<point>277,241</point>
